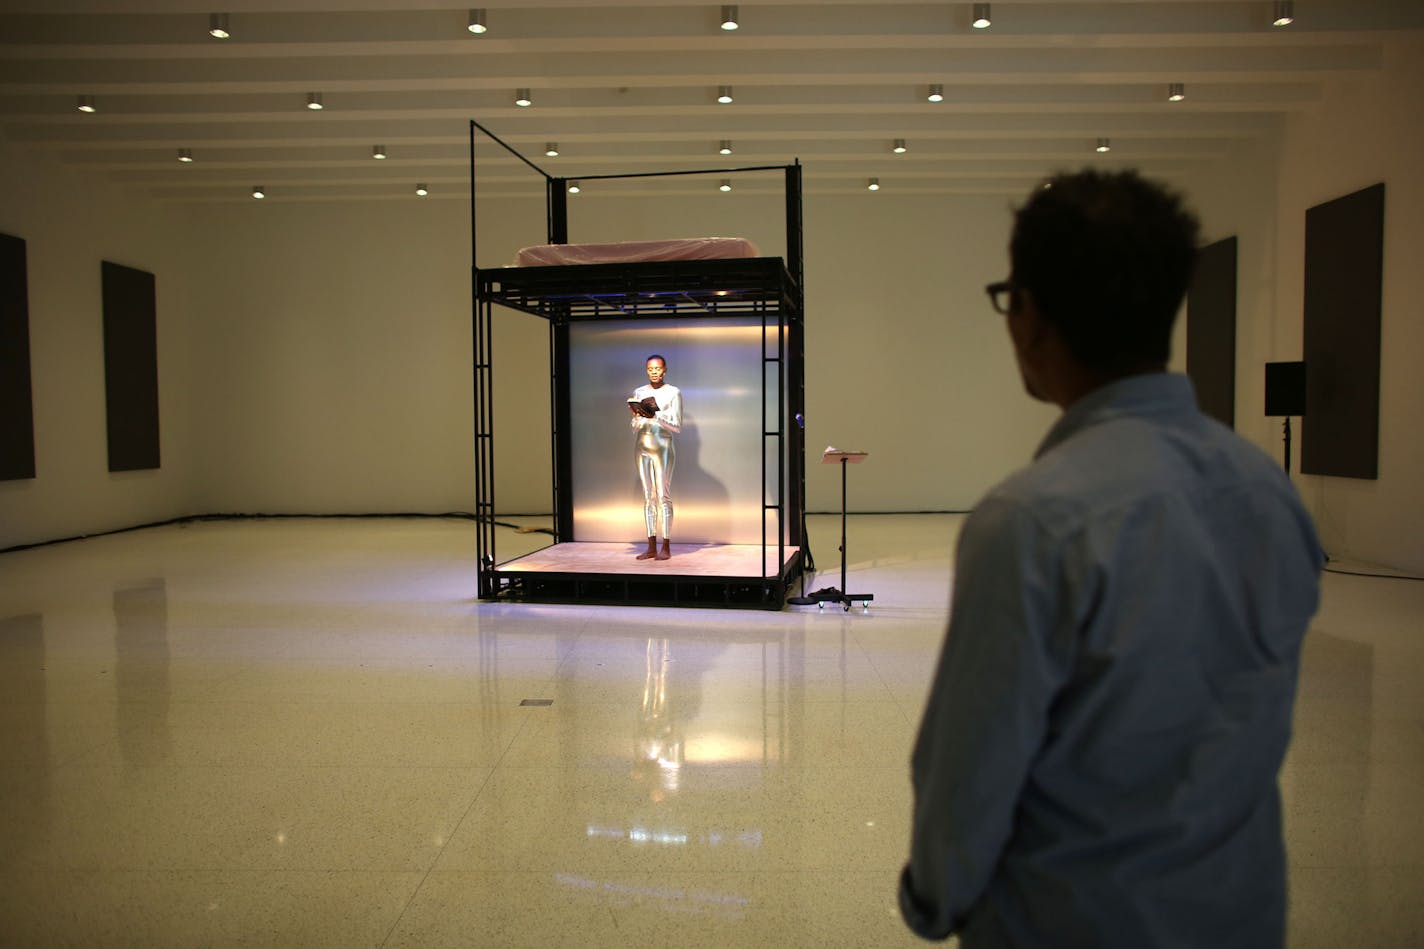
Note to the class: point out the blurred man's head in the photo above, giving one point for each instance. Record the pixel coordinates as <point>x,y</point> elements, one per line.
<point>1104,258</point>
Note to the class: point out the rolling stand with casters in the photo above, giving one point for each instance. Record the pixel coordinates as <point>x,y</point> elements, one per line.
<point>833,456</point>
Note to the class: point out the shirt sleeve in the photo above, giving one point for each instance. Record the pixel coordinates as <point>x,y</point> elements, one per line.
<point>986,716</point>
<point>636,421</point>
<point>670,418</point>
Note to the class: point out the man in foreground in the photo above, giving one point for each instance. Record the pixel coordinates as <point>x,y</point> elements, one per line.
<point>1098,758</point>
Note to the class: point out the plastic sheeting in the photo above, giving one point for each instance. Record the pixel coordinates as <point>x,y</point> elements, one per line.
<point>625,252</point>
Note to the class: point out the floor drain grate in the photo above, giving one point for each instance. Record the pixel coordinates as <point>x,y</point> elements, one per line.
<point>536,701</point>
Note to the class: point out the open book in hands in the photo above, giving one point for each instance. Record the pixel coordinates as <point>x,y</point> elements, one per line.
<point>648,407</point>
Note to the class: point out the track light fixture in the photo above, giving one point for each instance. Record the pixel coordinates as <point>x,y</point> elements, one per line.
<point>1283,13</point>
<point>936,92</point>
<point>873,185</point>
<point>551,149</point>
<point>729,17</point>
<point>1176,91</point>
<point>574,187</point>
<point>314,101</point>
<point>898,147</point>
<point>378,152</point>
<point>521,98</point>
<point>724,94</point>
<point>86,104</point>
<point>479,23</point>
<point>725,148</point>
<point>421,190</point>
<point>185,155</point>
<point>258,192</point>
<point>981,19</point>
<point>1103,146</point>
<point>726,185</point>
<point>217,26</point>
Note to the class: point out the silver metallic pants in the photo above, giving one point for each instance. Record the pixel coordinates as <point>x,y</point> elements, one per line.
<point>655,460</point>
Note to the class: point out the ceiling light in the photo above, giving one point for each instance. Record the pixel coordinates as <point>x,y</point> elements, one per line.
<point>257,192</point>
<point>314,101</point>
<point>1176,91</point>
<point>725,148</point>
<point>936,92</point>
<point>217,26</point>
<point>421,190</point>
<point>86,104</point>
<point>1284,14</point>
<point>185,155</point>
<point>981,16</point>
<point>478,22</point>
<point>726,185</point>
<point>873,185</point>
<point>551,149</point>
<point>378,151</point>
<point>899,146</point>
<point>724,94</point>
<point>574,187</point>
<point>729,17</point>
<point>1103,146</point>
<point>521,98</point>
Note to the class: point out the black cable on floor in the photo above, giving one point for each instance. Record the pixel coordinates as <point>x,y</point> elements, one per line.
<point>194,518</point>
<point>1382,576</point>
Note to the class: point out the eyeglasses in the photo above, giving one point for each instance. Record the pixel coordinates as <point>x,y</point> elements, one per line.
<point>1001,296</point>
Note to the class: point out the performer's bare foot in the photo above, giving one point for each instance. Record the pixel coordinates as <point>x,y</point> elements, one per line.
<point>651,552</point>
<point>666,552</point>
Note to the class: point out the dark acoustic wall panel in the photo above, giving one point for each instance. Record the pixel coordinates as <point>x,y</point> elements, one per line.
<point>1211,330</point>
<point>131,367</point>
<point>1344,263</point>
<point>17,416</point>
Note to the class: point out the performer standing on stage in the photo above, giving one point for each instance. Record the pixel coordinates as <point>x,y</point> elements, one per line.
<point>657,417</point>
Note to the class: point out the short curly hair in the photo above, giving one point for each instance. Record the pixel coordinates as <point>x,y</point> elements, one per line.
<point>1108,257</point>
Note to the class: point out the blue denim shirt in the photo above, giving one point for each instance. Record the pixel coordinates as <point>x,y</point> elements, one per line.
<point>1098,758</point>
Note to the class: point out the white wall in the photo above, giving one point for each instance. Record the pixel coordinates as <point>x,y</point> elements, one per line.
<point>1364,131</point>
<point>337,357</point>
<point>71,223</point>
<point>316,357</point>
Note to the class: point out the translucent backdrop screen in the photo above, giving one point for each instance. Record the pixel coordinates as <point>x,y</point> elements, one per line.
<point>716,482</point>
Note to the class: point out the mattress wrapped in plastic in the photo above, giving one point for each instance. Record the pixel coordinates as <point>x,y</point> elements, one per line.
<point>625,252</point>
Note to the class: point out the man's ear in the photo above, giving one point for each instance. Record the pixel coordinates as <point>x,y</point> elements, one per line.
<point>1031,324</point>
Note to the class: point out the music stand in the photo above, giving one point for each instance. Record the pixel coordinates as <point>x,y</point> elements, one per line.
<point>833,456</point>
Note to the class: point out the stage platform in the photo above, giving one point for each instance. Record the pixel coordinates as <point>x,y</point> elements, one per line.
<point>700,575</point>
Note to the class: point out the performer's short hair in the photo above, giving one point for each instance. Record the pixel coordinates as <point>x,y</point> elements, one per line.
<point>658,356</point>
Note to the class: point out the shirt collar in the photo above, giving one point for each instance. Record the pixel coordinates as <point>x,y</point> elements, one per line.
<point>1152,394</point>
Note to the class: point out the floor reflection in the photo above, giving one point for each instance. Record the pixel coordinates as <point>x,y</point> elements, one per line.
<point>658,749</point>
<point>172,700</point>
<point>26,755</point>
<point>143,674</point>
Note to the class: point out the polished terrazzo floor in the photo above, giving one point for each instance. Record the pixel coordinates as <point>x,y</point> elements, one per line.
<point>308,733</point>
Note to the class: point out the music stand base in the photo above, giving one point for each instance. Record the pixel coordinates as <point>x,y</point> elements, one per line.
<point>847,600</point>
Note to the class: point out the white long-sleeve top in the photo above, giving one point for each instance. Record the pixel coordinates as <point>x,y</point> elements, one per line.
<point>669,399</point>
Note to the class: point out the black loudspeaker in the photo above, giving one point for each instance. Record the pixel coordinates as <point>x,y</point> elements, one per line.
<point>1285,388</point>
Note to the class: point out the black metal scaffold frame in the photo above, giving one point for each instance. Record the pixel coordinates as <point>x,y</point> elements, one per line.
<point>711,289</point>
